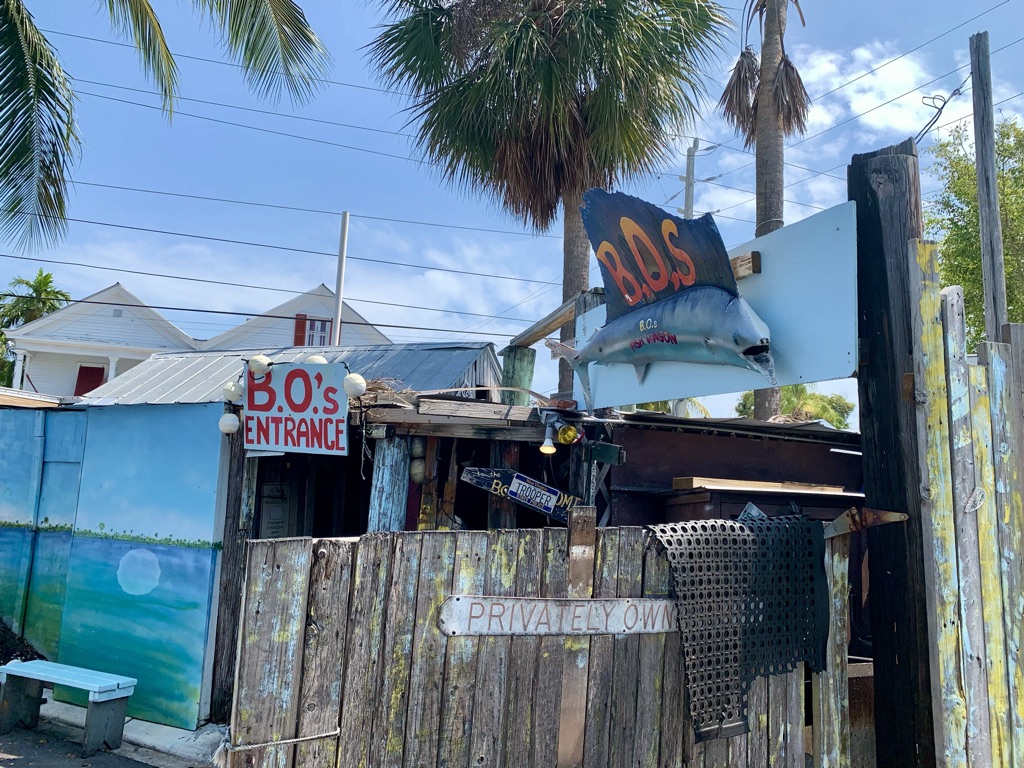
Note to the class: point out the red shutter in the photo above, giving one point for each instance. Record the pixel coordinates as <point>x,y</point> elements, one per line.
<point>89,378</point>
<point>300,331</point>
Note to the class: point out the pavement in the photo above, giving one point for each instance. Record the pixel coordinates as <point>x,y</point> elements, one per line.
<point>56,744</point>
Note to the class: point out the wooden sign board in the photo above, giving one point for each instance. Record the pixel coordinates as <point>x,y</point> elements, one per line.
<point>482,615</point>
<point>523,490</point>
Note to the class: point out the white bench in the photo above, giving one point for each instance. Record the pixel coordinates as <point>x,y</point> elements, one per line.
<point>22,695</point>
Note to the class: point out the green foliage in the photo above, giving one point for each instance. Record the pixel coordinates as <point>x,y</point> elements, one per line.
<point>801,403</point>
<point>29,300</point>
<point>953,219</point>
<point>270,39</point>
<point>535,101</point>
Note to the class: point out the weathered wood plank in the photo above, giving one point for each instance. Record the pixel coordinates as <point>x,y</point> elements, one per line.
<point>886,186</point>
<point>389,489</point>
<point>829,689</point>
<point>461,656</point>
<point>387,744</point>
<point>427,520</point>
<point>323,660</point>
<point>248,509</point>
<point>626,648</point>
<point>991,586</point>
<point>601,659</point>
<point>949,708</point>
<point>426,675</point>
<point>758,716</point>
<point>778,694</point>
<point>796,751</point>
<point>270,650</point>
<point>575,659</point>
<point>367,618</point>
<point>476,409</point>
<point>1004,405</point>
<point>716,753</point>
<point>746,264</point>
<point>548,690</point>
<point>522,667</point>
<point>961,448</point>
<point>650,686</point>
<point>517,371</point>
<point>447,519</point>
<point>490,706</point>
<point>674,722</point>
<point>501,510</point>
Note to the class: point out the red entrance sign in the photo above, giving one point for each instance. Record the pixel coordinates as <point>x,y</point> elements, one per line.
<point>297,409</point>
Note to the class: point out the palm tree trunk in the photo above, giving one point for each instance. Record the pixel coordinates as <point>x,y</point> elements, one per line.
<point>575,271</point>
<point>768,151</point>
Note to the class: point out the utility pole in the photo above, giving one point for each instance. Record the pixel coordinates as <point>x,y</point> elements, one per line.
<point>992,269</point>
<point>340,282</point>
<point>691,153</point>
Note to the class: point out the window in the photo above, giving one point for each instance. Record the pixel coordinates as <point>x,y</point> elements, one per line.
<point>89,378</point>
<point>318,332</point>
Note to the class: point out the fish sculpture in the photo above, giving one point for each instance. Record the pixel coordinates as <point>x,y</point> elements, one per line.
<point>670,292</point>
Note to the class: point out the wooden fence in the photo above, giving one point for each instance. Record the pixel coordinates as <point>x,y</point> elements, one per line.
<point>338,640</point>
<point>970,429</point>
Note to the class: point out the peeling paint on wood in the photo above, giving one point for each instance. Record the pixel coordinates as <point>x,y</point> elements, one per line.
<point>829,689</point>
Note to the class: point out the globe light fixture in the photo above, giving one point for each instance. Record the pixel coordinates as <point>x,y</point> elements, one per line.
<point>259,365</point>
<point>233,392</point>
<point>354,385</point>
<point>316,360</point>
<point>568,434</point>
<point>229,423</point>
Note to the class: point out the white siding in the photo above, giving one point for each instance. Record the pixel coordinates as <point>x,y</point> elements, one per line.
<point>278,333</point>
<point>56,374</point>
<point>101,326</point>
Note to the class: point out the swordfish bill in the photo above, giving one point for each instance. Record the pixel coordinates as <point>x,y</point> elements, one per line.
<point>671,295</point>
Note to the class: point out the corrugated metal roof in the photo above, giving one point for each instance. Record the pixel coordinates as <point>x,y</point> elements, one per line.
<point>818,431</point>
<point>199,377</point>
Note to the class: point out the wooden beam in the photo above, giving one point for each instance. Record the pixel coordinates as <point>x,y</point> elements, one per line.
<point>389,491</point>
<point>722,484</point>
<point>886,186</point>
<point>474,409</point>
<point>547,325</point>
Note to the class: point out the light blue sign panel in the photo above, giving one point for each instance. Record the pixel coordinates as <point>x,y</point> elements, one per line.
<point>807,295</point>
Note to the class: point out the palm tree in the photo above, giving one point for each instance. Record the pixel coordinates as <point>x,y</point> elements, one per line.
<point>29,300</point>
<point>39,144</point>
<point>765,102</point>
<point>798,402</point>
<point>536,101</point>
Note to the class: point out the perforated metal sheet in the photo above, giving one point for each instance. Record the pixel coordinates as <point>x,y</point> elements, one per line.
<point>753,600</point>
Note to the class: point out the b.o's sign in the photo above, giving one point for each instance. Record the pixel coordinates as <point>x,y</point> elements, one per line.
<point>297,409</point>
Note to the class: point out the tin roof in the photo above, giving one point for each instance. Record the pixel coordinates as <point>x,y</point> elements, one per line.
<point>199,377</point>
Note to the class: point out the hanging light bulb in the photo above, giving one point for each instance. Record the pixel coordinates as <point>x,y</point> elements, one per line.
<point>548,446</point>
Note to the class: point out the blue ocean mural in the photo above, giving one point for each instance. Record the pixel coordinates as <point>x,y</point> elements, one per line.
<point>139,586</point>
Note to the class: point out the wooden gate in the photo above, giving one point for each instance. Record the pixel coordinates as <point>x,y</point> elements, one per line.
<point>339,644</point>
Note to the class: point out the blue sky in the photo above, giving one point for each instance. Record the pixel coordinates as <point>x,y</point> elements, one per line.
<point>135,146</point>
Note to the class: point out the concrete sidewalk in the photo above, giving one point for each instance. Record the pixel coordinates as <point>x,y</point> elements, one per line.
<point>60,730</point>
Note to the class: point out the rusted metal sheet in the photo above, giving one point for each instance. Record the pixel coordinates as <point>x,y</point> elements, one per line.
<point>482,615</point>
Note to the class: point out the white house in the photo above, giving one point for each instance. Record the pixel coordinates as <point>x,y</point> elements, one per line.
<point>81,346</point>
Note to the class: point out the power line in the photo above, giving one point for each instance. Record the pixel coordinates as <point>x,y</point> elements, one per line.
<point>189,57</point>
<point>234,284</point>
<point>8,295</point>
<point>287,248</point>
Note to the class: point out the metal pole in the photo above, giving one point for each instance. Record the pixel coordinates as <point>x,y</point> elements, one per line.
<point>691,152</point>
<point>340,284</point>
<point>993,271</point>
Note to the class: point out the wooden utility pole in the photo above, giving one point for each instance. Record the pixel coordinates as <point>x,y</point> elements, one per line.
<point>887,188</point>
<point>992,269</point>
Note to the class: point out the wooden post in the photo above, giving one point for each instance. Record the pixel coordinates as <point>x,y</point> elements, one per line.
<point>389,490</point>
<point>232,579</point>
<point>830,689</point>
<point>501,511</point>
<point>992,269</point>
<point>961,448</point>
<point>886,187</point>
<point>937,518</point>
<point>517,371</point>
<point>573,709</point>
<point>429,498</point>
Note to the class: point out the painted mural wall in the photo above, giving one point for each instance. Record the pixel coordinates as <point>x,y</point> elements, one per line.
<point>139,587</point>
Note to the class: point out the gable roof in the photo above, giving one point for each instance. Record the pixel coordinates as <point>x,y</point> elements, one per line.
<point>112,296</point>
<point>288,310</point>
<point>199,377</point>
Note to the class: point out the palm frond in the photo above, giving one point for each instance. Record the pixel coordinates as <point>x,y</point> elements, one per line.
<point>800,11</point>
<point>738,103</point>
<point>137,19</point>
<point>274,43</point>
<point>39,142</point>
<point>791,97</point>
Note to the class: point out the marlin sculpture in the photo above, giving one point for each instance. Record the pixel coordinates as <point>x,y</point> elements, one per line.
<point>670,293</point>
